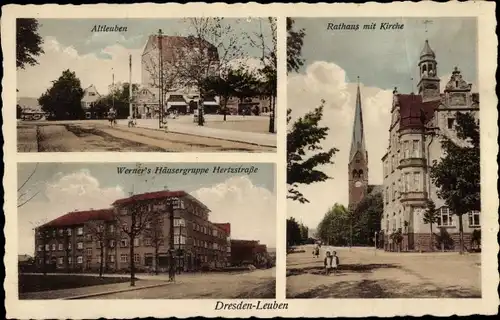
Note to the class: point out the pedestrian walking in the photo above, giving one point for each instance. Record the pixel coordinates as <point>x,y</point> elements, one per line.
<point>316,250</point>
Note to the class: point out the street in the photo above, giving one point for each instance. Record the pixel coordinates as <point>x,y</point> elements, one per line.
<point>364,273</point>
<point>258,284</point>
<point>97,135</point>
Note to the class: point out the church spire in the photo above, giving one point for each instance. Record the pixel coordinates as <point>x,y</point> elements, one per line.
<point>358,135</point>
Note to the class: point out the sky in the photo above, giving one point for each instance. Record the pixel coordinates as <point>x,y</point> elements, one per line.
<point>383,59</point>
<point>95,56</point>
<point>248,202</point>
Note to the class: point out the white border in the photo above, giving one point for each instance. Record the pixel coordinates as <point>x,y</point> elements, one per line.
<point>487,45</point>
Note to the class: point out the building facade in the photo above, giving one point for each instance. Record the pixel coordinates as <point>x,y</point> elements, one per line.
<point>89,99</point>
<point>79,240</point>
<point>417,121</point>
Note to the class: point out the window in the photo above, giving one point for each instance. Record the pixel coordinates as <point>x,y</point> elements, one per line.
<point>215,233</point>
<point>60,247</point>
<point>125,226</point>
<point>137,258</point>
<point>385,168</point>
<point>60,260</point>
<point>147,242</point>
<point>111,228</point>
<point>61,231</point>
<point>79,259</point>
<point>451,122</point>
<point>445,218</point>
<point>124,243</point>
<point>88,237</point>
<point>112,243</point>
<point>98,244</point>
<point>40,247</point>
<point>392,163</point>
<point>69,231</point>
<point>136,242</point>
<point>70,260</point>
<point>416,181</point>
<point>89,251</point>
<point>124,258</point>
<point>179,223</point>
<point>394,191</point>
<point>79,245</point>
<point>416,151</point>
<point>53,247</point>
<point>148,225</point>
<point>53,233</point>
<point>69,246</point>
<point>111,258</point>
<point>387,195</point>
<point>406,149</point>
<point>79,231</point>
<point>123,211</point>
<point>407,182</point>
<point>99,259</point>
<point>474,219</point>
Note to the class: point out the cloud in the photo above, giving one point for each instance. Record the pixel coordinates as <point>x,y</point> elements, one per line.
<point>323,80</point>
<point>92,68</point>
<point>250,209</point>
<point>63,193</point>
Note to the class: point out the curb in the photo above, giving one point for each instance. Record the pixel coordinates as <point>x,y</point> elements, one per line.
<point>215,138</point>
<point>115,291</point>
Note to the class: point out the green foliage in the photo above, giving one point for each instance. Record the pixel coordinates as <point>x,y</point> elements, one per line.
<point>431,216</point>
<point>457,174</point>
<point>294,42</point>
<point>476,238</point>
<point>293,232</point>
<point>366,219</point>
<point>119,99</point>
<point>63,100</point>
<point>28,42</point>
<point>334,227</point>
<point>304,152</point>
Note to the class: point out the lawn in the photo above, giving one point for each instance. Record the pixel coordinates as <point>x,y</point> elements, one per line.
<point>37,283</point>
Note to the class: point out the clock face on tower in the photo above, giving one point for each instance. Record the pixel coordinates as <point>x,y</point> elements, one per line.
<point>358,184</point>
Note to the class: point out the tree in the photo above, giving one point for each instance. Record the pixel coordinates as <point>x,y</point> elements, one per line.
<point>154,232</point>
<point>132,219</point>
<point>304,233</point>
<point>26,195</point>
<point>366,218</point>
<point>457,174</point>
<point>397,238</point>
<point>430,217</point>
<point>98,230</point>
<point>294,42</point>
<point>334,227</point>
<point>208,51</point>
<point>269,71</point>
<point>305,136</point>
<point>19,112</point>
<point>293,235</point>
<point>28,42</point>
<point>63,100</point>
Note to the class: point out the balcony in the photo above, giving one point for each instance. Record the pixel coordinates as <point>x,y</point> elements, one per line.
<point>414,197</point>
<point>412,162</point>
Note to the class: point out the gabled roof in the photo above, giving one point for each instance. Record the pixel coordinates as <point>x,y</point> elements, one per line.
<point>224,226</point>
<point>414,112</point>
<point>80,217</point>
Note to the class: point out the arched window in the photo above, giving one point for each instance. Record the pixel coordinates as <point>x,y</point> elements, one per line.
<point>360,174</point>
<point>354,173</point>
<point>424,68</point>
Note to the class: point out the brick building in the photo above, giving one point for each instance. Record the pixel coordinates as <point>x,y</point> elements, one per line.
<point>77,241</point>
<point>417,122</point>
<point>249,252</point>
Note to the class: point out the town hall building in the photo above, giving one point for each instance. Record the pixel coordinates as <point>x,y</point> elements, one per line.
<point>417,122</point>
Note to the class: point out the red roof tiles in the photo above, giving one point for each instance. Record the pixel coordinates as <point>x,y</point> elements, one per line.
<point>224,226</point>
<point>150,196</point>
<point>80,217</point>
<point>414,112</point>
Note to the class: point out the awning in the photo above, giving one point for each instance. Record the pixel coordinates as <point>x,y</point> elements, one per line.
<point>210,103</point>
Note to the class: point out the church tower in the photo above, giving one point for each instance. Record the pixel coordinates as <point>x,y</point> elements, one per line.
<point>428,85</point>
<point>358,158</point>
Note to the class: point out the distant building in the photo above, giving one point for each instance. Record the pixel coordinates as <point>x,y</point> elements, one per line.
<point>89,99</point>
<point>177,96</point>
<point>417,122</point>
<point>30,108</point>
<point>70,242</point>
<point>245,252</point>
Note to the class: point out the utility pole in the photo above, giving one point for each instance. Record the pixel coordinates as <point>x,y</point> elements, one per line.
<point>160,79</point>
<point>113,89</point>
<point>130,111</point>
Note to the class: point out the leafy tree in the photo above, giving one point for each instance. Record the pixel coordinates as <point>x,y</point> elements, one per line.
<point>154,232</point>
<point>294,42</point>
<point>28,42</point>
<point>98,230</point>
<point>431,217</point>
<point>119,99</point>
<point>305,137</point>
<point>293,234</point>
<point>334,227</point>
<point>397,238</point>
<point>366,218</point>
<point>63,100</point>
<point>304,233</point>
<point>457,173</point>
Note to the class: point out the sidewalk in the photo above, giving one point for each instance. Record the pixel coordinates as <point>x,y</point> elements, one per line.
<point>261,139</point>
<point>85,292</point>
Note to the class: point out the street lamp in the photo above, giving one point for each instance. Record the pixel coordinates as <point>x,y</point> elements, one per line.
<point>375,243</point>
